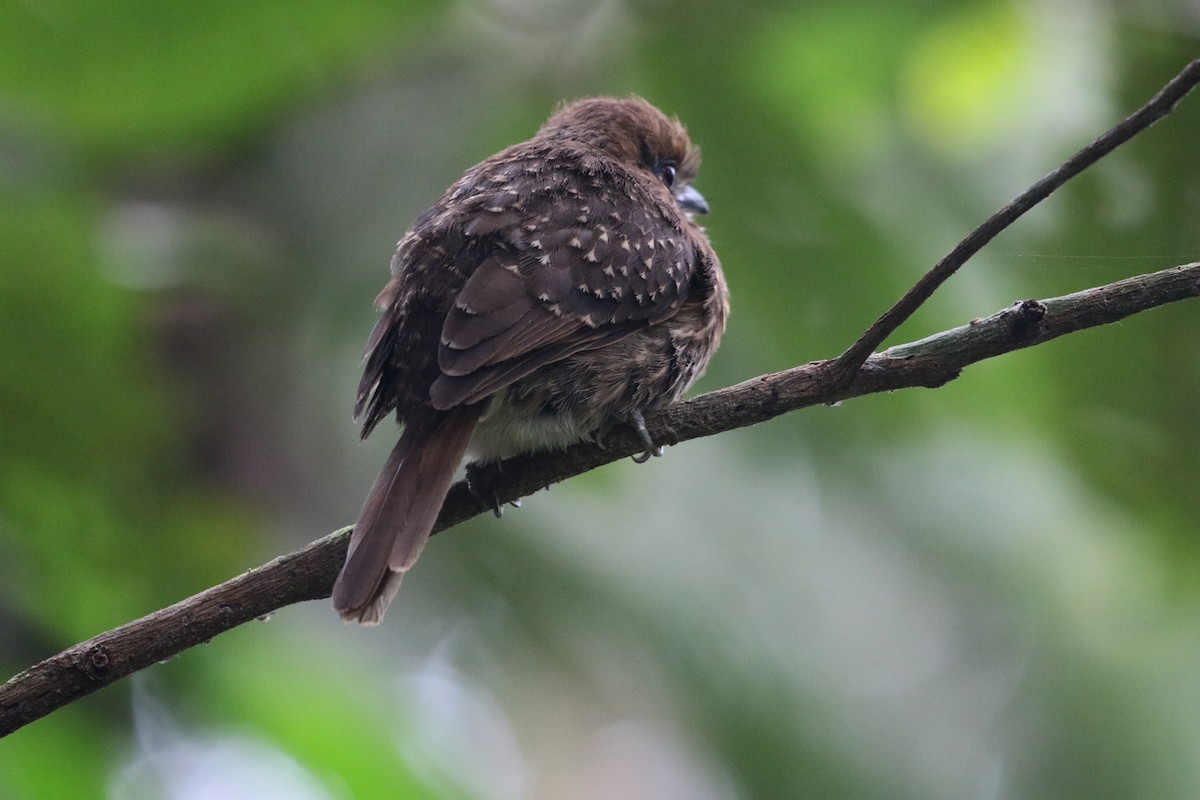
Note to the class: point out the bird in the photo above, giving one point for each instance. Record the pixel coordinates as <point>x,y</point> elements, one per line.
<point>559,288</point>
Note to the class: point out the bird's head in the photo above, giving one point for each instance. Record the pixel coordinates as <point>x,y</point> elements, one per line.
<point>637,134</point>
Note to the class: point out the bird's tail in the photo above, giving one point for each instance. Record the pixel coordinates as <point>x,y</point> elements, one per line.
<point>399,513</point>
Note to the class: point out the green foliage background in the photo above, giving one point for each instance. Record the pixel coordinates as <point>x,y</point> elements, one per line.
<point>987,590</point>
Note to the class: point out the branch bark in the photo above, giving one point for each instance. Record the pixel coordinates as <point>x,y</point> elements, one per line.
<point>308,573</point>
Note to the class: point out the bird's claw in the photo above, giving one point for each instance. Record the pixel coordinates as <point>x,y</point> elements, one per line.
<point>652,450</point>
<point>481,478</point>
<point>642,458</point>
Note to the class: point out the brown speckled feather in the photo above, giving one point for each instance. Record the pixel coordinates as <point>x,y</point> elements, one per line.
<point>556,288</point>
<point>536,267</point>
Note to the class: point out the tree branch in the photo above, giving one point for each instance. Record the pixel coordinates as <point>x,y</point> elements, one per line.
<point>308,573</point>
<point>1155,109</point>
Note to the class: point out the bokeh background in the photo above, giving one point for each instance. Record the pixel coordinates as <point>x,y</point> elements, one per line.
<point>985,591</point>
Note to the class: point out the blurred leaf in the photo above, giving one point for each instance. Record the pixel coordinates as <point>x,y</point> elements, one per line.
<point>60,757</point>
<point>833,71</point>
<point>118,76</point>
<point>965,74</point>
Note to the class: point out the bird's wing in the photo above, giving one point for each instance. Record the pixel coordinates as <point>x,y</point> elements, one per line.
<point>430,266</point>
<point>586,257</point>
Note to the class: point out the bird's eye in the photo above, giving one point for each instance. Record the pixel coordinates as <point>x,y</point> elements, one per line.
<point>666,171</point>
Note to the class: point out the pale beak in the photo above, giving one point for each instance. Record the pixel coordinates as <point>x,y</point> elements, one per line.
<point>691,200</point>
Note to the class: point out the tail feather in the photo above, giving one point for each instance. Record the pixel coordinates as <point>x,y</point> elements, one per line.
<point>399,513</point>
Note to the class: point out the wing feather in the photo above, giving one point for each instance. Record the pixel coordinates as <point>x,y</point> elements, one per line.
<point>553,257</point>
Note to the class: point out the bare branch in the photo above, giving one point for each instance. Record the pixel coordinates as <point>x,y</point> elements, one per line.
<point>1158,107</point>
<point>308,574</point>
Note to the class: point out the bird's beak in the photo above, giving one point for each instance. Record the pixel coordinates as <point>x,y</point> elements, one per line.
<point>691,200</point>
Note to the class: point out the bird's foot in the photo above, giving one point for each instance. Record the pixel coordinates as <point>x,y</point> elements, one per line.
<point>481,480</point>
<point>652,449</point>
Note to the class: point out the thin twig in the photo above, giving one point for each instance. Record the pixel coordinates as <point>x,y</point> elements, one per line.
<point>308,574</point>
<point>1159,106</point>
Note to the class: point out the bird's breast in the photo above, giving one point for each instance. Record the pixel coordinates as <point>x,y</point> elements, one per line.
<point>587,393</point>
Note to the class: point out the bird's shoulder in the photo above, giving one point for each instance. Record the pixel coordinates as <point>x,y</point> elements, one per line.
<point>538,252</point>
<point>571,223</point>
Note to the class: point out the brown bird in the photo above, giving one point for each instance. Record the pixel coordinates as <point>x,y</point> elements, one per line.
<point>558,288</point>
